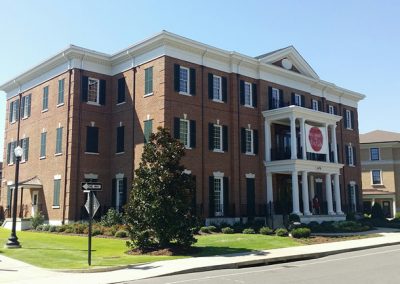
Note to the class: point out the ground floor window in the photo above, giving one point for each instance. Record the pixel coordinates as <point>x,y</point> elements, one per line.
<point>218,197</point>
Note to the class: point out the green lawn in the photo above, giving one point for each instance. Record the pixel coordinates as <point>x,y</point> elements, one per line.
<point>64,251</point>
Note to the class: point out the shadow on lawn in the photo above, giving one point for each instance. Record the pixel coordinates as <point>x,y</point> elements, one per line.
<point>63,249</point>
<point>222,251</point>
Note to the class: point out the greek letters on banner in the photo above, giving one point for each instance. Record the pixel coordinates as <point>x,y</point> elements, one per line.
<point>316,139</point>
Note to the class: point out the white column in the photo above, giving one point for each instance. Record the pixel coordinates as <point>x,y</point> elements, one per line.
<point>303,138</point>
<point>293,140</point>
<point>270,192</point>
<point>394,207</point>
<point>295,193</point>
<point>337,195</point>
<point>312,186</point>
<point>328,187</point>
<point>373,202</point>
<point>327,131</point>
<point>334,143</point>
<point>304,191</point>
<point>267,130</point>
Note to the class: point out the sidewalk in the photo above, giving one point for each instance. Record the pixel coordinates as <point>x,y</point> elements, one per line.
<point>13,271</point>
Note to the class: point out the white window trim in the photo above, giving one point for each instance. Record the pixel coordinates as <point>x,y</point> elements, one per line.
<point>250,175</point>
<point>187,83</point>
<point>331,109</point>
<point>277,99</point>
<point>221,140</point>
<point>380,177</point>
<point>13,109</point>
<point>379,153</point>
<point>250,94</point>
<point>188,132</point>
<point>351,157</point>
<point>25,115</point>
<point>60,105</point>
<point>152,79</point>
<point>251,153</point>
<point>97,103</point>
<point>91,176</point>
<point>221,196</point>
<point>315,105</point>
<point>220,89</point>
<point>348,119</point>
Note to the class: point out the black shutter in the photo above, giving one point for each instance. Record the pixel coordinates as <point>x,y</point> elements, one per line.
<point>29,104</point>
<point>120,139</point>
<point>349,204</point>
<point>121,90</point>
<point>251,204</point>
<point>113,192</point>
<point>177,125</point>
<point>103,92</point>
<point>225,138</point>
<point>18,110</point>
<point>176,77</point>
<point>338,153</point>
<point>347,155</point>
<point>8,153</point>
<point>211,196</point>
<point>224,90</point>
<point>22,106</point>
<point>255,141</point>
<point>334,110</point>
<point>354,156</point>
<point>281,102</point>
<point>124,191</point>
<point>270,106</point>
<point>92,139</point>
<point>192,81</point>
<point>85,82</point>
<point>26,148</point>
<point>192,134</point>
<point>210,86</point>
<point>345,118</point>
<point>303,101</point>
<point>320,106</point>
<point>293,99</point>
<point>226,196</point>
<point>254,95</point>
<point>241,92</point>
<point>10,112</point>
<point>211,136</point>
<point>243,139</point>
<point>352,120</point>
<point>356,196</point>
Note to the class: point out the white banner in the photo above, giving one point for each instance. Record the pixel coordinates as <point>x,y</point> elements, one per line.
<point>316,139</point>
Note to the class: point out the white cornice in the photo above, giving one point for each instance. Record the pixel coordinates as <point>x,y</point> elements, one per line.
<point>166,43</point>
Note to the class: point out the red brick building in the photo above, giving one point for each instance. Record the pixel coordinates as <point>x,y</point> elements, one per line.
<point>83,115</point>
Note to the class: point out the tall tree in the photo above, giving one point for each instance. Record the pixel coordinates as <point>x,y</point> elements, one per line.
<point>159,211</point>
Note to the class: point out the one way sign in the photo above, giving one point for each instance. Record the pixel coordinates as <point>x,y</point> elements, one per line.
<point>93,186</point>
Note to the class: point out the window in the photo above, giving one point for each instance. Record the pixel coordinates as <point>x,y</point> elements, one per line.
<point>10,152</point>
<point>119,192</point>
<point>249,141</point>
<point>247,95</point>
<point>121,90</point>
<point>350,155</point>
<point>92,139</point>
<point>59,140</point>
<point>148,129</point>
<point>60,99</point>
<point>297,100</point>
<point>184,80</point>
<point>315,104</point>
<point>45,98</point>
<point>26,106</point>
<point>374,153</point>
<point>93,91</point>
<point>349,119</point>
<point>120,139</point>
<point>217,88</point>
<point>25,148</point>
<point>218,137</point>
<point>376,177</point>
<point>353,193</point>
<point>185,131</point>
<point>218,196</point>
<point>43,138</point>
<point>148,81</point>
<point>14,111</point>
<point>56,193</point>
<point>275,98</point>
<point>331,109</point>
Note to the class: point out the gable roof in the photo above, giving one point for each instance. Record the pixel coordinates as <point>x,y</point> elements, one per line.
<point>293,55</point>
<point>377,136</point>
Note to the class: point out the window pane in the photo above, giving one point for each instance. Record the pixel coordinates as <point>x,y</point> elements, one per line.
<point>93,90</point>
<point>217,88</point>
<point>247,94</point>
<point>374,154</point>
<point>60,91</point>
<point>184,132</point>
<point>249,141</point>
<point>217,137</point>
<point>217,197</point>
<point>43,144</point>
<point>376,177</point>
<point>58,140</point>
<point>148,81</point>
<point>183,80</point>
<point>275,98</point>
<point>56,196</point>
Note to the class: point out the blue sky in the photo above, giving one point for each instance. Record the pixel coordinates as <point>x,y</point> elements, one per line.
<point>353,44</point>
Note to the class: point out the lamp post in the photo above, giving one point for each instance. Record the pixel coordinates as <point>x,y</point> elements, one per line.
<point>13,239</point>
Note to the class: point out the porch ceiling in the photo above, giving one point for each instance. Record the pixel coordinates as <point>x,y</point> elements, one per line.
<point>288,166</point>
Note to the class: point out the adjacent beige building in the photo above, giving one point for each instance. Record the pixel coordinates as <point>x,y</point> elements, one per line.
<point>380,162</point>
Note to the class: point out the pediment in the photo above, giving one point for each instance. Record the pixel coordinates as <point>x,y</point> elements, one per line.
<point>290,59</point>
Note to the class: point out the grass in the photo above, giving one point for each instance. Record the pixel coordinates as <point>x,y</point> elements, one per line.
<point>70,252</point>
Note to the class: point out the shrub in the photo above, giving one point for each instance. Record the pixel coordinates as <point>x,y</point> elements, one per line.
<point>110,231</point>
<point>121,234</point>
<point>294,218</point>
<point>281,232</point>
<point>37,220</point>
<point>39,228</point>
<point>205,229</point>
<point>301,233</point>
<point>212,229</point>
<point>61,228</point>
<point>111,218</point>
<point>79,228</point>
<point>377,212</point>
<point>69,230</point>
<point>96,232</point>
<point>249,231</point>
<point>238,227</point>
<point>227,230</point>
<point>397,216</point>
<point>351,216</point>
<point>52,228</point>
<point>46,227</point>
<point>266,231</point>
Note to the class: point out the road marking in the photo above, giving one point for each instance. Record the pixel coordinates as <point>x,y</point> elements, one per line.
<point>282,267</point>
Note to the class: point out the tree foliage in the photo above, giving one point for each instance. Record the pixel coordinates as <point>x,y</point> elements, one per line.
<point>159,211</point>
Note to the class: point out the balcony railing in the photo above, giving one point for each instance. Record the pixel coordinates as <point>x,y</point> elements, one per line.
<point>278,154</point>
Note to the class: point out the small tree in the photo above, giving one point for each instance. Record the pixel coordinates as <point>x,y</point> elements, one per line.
<point>377,212</point>
<point>159,211</point>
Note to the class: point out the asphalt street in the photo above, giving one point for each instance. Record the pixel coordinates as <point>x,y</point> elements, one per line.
<point>379,265</point>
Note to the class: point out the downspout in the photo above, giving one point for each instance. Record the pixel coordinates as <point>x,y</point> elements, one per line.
<point>342,156</point>
<point>133,111</point>
<point>239,134</point>
<point>202,134</point>
<point>67,148</point>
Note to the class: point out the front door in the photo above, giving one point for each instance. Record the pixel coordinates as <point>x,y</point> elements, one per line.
<point>35,201</point>
<point>386,209</point>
